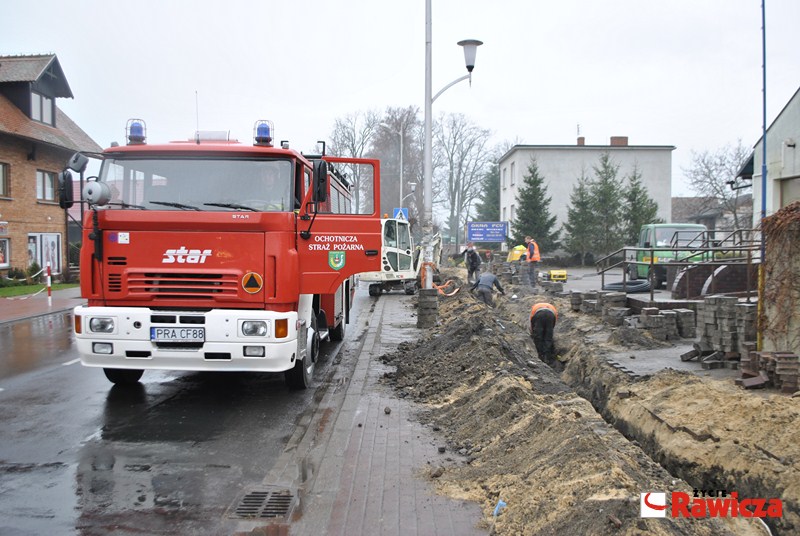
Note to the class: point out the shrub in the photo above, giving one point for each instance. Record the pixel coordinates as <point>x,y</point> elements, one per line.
<point>33,273</point>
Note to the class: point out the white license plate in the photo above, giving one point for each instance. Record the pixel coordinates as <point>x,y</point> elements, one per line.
<point>178,334</point>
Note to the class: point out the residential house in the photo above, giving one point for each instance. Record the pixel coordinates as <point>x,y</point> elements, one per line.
<point>562,165</point>
<point>36,141</point>
<point>712,212</point>
<point>783,163</point>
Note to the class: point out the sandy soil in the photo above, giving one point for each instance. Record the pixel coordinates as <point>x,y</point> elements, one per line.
<point>519,431</point>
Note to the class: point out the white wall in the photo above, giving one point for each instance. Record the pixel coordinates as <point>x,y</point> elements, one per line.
<point>783,161</point>
<point>562,165</point>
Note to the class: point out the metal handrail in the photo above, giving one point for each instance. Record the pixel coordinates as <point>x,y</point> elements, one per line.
<point>744,247</point>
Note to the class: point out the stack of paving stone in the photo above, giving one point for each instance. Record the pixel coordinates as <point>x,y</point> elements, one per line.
<point>613,307</point>
<point>506,274</point>
<point>552,287</point>
<point>525,272</point>
<point>685,319</point>
<point>575,299</point>
<point>719,324</point>
<point>427,307</point>
<point>770,369</point>
<point>589,302</point>
<point>746,322</point>
<point>653,322</point>
<point>670,324</point>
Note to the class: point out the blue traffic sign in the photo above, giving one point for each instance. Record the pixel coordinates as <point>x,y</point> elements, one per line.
<point>400,213</point>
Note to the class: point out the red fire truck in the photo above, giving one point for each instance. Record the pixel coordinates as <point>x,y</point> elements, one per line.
<point>214,255</point>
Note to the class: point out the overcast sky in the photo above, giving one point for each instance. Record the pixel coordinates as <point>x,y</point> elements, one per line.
<point>682,72</point>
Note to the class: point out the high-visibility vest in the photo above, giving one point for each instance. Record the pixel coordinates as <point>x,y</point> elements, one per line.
<point>542,306</point>
<point>533,257</point>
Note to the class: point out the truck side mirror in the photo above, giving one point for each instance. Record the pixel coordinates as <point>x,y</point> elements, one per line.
<point>65,197</point>
<point>320,181</point>
<point>78,163</point>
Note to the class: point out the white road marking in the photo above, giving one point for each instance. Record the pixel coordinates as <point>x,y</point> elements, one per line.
<point>71,362</point>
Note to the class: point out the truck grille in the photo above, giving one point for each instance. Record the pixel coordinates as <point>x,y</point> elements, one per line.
<point>182,285</point>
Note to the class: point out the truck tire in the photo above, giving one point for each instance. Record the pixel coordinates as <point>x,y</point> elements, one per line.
<point>123,376</point>
<point>300,376</point>
<point>337,333</point>
<point>375,289</point>
<point>410,287</point>
<point>655,280</point>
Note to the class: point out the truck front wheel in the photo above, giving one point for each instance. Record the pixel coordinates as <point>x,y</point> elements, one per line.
<point>123,376</point>
<point>301,374</point>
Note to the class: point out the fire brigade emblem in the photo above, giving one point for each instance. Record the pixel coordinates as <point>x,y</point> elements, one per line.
<point>336,259</point>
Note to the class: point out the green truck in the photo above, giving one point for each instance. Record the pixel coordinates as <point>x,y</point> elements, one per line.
<point>661,240</point>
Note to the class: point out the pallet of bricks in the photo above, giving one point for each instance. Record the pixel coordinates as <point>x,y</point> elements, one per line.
<point>728,331</point>
<point>770,369</point>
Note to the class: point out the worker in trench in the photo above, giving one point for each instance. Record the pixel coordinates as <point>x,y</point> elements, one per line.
<point>483,288</point>
<point>542,325</point>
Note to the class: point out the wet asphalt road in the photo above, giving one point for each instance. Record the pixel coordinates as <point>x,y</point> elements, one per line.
<point>170,456</point>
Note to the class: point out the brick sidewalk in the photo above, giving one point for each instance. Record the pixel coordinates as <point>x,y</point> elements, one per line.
<point>370,478</point>
<point>21,307</point>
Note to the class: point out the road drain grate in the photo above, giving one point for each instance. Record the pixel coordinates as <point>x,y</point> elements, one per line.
<point>265,504</point>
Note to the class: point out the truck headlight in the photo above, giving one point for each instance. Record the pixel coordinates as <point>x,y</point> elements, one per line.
<point>254,328</point>
<point>99,324</point>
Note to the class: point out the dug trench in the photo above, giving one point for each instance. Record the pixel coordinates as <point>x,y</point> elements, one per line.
<point>569,451</point>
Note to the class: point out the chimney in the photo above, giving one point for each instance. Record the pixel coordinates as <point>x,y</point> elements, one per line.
<point>619,141</point>
<point>581,140</point>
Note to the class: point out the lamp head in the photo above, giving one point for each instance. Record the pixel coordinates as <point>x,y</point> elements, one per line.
<point>470,49</point>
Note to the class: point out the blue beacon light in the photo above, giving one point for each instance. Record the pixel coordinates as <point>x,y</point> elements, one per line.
<point>263,133</point>
<point>136,131</point>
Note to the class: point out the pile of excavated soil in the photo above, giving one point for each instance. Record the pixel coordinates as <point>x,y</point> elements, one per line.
<point>519,432</point>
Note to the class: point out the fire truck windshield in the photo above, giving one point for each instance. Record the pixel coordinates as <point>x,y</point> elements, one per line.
<point>173,183</point>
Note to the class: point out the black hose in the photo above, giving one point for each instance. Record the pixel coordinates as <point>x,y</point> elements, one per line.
<point>631,287</point>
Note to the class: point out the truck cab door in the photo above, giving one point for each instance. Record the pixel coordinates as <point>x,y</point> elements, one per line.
<point>337,242</point>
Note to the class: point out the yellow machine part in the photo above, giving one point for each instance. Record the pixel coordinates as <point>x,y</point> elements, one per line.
<point>558,275</point>
<point>515,253</point>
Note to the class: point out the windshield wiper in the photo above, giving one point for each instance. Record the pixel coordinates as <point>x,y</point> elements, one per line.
<point>123,204</point>
<point>231,205</point>
<point>176,205</point>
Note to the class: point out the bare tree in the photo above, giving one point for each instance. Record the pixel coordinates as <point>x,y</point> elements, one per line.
<point>463,160</point>
<point>351,137</point>
<point>398,142</point>
<point>709,175</point>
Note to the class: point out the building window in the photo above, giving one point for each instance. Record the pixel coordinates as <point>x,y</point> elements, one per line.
<point>45,250</point>
<point>504,177</point>
<point>45,185</point>
<point>5,253</point>
<point>41,108</point>
<point>513,173</point>
<point>513,212</point>
<point>504,214</point>
<point>5,181</point>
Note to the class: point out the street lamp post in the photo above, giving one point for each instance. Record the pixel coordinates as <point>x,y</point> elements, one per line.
<point>402,136</point>
<point>402,150</point>
<point>470,49</point>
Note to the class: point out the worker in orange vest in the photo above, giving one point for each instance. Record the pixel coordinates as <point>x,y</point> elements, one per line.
<point>542,324</point>
<point>532,258</point>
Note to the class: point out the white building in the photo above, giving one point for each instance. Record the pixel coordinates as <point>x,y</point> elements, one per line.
<point>783,162</point>
<point>562,165</point>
